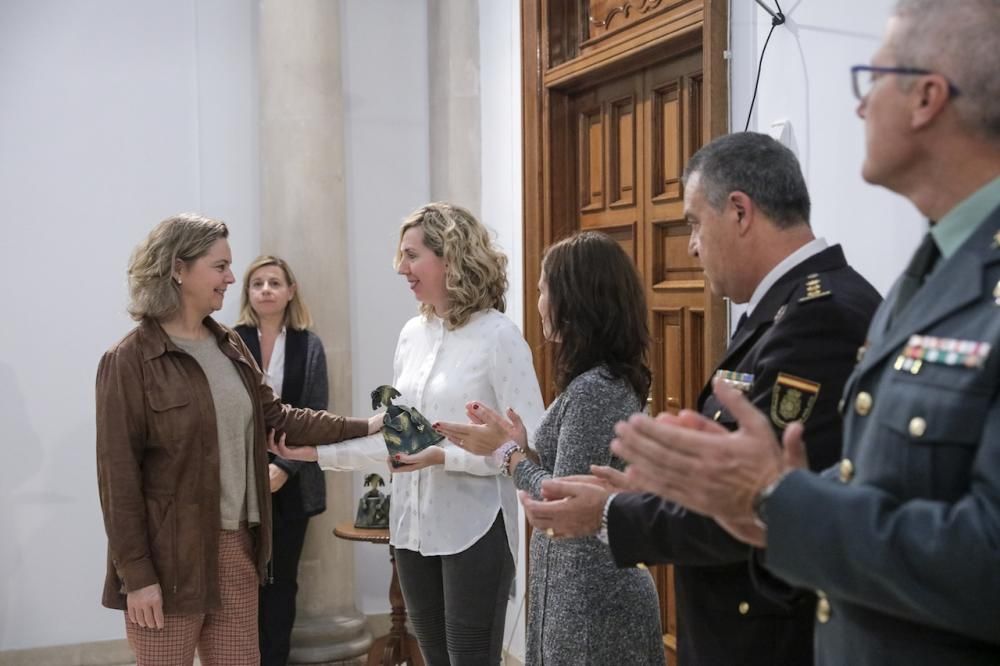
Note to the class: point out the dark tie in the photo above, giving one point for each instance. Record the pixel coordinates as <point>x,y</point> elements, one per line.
<point>916,272</point>
<point>739,324</point>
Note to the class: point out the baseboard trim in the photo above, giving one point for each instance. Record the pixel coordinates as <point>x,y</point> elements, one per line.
<point>97,653</point>
<point>117,652</point>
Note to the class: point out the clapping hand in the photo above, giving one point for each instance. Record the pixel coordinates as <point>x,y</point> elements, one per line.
<point>487,430</point>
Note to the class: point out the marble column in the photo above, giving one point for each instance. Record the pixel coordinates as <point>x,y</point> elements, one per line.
<point>456,148</point>
<point>303,220</point>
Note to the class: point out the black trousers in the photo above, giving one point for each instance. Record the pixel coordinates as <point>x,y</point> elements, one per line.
<point>457,603</point>
<point>276,614</point>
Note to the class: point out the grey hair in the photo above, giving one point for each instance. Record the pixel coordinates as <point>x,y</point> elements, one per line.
<point>760,167</point>
<point>957,39</point>
<point>185,237</point>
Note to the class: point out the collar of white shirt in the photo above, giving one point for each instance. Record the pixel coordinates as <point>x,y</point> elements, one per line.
<point>813,247</point>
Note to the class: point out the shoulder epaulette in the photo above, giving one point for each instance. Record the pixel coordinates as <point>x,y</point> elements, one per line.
<point>814,289</point>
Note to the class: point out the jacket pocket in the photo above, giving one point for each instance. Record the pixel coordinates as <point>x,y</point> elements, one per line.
<point>172,417</point>
<point>939,430</point>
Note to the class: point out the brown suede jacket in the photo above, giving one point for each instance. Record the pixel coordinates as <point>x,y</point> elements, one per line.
<point>158,464</point>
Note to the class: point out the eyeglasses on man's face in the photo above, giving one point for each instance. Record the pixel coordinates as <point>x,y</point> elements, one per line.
<point>863,78</point>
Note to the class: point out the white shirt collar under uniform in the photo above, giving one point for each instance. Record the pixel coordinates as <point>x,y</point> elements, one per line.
<point>813,247</point>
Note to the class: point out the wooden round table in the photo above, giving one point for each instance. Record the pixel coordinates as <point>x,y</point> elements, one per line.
<point>398,646</point>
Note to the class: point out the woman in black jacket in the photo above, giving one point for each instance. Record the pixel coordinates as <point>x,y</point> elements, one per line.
<point>274,324</point>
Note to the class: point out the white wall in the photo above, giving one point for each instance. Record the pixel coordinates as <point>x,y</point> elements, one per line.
<point>387,152</point>
<point>387,155</point>
<point>113,115</point>
<point>806,80</point>
<point>500,105</point>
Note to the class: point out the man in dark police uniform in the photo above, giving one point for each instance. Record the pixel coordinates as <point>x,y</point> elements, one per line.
<point>901,539</point>
<point>807,313</point>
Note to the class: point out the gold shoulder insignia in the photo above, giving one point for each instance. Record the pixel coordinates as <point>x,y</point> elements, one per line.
<point>814,289</point>
<point>792,399</point>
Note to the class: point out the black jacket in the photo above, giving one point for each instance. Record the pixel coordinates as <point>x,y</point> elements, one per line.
<point>800,345</point>
<point>305,385</point>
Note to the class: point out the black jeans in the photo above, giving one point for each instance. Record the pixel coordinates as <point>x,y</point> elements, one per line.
<point>457,603</point>
<point>276,613</point>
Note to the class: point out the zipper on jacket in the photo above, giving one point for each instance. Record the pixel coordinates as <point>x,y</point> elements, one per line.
<point>176,536</point>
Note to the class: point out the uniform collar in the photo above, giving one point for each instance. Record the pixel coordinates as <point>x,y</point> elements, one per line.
<point>962,221</point>
<point>813,247</point>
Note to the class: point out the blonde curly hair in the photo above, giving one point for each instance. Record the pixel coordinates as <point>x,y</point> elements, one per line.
<point>152,291</point>
<point>475,268</point>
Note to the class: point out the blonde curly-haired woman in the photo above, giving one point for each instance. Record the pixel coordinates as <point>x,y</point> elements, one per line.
<point>453,519</point>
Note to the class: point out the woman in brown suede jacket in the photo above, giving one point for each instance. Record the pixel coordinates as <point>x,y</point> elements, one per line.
<point>182,415</point>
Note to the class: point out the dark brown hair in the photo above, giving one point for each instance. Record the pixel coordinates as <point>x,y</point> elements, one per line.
<point>597,311</point>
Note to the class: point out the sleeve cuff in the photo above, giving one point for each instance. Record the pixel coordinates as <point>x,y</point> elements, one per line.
<point>138,575</point>
<point>454,461</point>
<point>458,460</point>
<point>354,427</point>
<point>327,457</point>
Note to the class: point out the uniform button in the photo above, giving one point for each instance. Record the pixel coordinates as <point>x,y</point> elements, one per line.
<point>822,608</point>
<point>846,470</point>
<point>744,608</point>
<point>918,426</point>
<point>863,403</point>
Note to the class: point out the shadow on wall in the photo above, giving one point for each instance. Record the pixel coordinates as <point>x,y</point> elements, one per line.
<point>22,460</point>
<point>43,522</point>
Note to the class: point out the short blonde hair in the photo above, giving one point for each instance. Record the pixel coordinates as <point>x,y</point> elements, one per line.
<point>296,314</point>
<point>475,268</point>
<point>152,291</point>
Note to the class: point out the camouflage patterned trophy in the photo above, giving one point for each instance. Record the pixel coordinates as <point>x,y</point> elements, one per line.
<point>405,429</point>
<point>373,509</point>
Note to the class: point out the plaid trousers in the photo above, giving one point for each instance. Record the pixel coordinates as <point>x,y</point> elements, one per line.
<point>227,637</point>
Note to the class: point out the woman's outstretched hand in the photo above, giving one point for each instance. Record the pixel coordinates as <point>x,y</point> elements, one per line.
<point>487,430</point>
<point>432,455</point>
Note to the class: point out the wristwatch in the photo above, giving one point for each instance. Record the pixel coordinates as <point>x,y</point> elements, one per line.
<point>602,533</point>
<point>760,500</point>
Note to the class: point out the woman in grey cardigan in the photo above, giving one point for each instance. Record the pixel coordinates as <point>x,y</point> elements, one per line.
<point>582,608</point>
<point>273,323</point>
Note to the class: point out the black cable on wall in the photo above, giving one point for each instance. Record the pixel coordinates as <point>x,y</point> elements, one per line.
<point>776,20</point>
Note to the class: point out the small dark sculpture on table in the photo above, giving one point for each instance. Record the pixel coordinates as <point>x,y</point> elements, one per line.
<point>373,508</point>
<point>406,430</point>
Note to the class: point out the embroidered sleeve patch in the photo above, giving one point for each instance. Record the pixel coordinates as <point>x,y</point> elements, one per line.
<point>792,399</point>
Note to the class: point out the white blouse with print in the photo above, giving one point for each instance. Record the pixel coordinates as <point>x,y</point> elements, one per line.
<point>445,509</point>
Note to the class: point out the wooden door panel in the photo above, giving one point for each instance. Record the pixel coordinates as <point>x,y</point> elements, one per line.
<point>622,152</point>
<point>667,142</point>
<point>609,164</point>
<point>617,97</point>
<point>591,171</point>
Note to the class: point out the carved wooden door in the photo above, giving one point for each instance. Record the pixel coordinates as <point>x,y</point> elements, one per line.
<point>634,135</point>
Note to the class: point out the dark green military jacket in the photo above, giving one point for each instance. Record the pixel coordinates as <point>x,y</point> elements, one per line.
<point>906,551</point>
